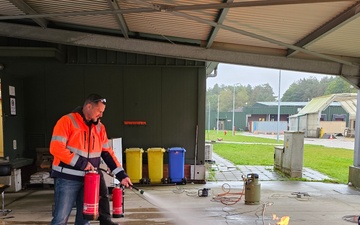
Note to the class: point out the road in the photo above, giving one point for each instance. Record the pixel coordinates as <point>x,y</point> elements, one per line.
<point>338,142</point>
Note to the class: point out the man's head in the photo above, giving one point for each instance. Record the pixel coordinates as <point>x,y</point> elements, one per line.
<point>94,107</point>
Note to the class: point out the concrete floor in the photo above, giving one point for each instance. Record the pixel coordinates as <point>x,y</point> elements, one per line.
<point>304,202</point>
<point>313,202</point>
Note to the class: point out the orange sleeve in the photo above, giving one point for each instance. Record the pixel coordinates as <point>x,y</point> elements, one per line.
<point>59,139</point>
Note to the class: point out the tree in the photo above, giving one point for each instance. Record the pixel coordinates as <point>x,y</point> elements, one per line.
<point>226,96</point>
<point>339,85</point>
<point>303,90</point>
<point>324,83</point>
<point>262,93</point>
<point>241,96</point>
<point>244,95</point>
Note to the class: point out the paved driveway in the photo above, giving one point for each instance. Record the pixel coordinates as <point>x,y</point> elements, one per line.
<point>338,142</point>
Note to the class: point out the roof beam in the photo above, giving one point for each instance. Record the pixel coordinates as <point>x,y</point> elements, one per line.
<point>39,52</point>
<point>80,13</point>
<point>176,51</point>
<point>164,8</point>
<point>263,38</point>
<point>253,35</point>
<point>119,18</point>
<point>221,17</point>
<point>171,8</point>
<point>28,10</point>
<point>343,18</point>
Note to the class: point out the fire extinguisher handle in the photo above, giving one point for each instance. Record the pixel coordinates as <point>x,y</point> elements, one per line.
<point>91,171</point>
<point>107,172</point>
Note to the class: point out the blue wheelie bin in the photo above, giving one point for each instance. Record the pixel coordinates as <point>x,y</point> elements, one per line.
<point>176,165</point>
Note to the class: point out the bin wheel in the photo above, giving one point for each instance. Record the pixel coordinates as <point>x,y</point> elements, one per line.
<point>184,180</point>
<point>164,180</point>
<point>145,181</point>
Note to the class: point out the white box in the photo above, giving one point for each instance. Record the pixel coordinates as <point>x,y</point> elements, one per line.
<point>293,154</point>
<point>15,183</point>
<point>116,144</point>
<point>197,172</point>
<point>208,152</point>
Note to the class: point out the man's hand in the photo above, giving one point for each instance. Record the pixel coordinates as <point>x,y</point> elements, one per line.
<point>89,166</point>
<point>126,182</point>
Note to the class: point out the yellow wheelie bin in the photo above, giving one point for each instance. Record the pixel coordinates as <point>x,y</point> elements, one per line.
<point>134,164</point>
<point>156,164</point>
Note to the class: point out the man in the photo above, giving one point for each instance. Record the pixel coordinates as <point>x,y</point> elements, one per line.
<point>78,142</point>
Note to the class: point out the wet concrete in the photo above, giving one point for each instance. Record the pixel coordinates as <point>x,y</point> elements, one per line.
<point>318,203</point>
<point>315,202</point>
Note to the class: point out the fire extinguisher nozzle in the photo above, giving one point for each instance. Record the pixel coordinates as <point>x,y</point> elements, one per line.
<point>139,190</point>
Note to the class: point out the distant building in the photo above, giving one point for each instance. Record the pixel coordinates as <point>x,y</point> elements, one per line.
<point>335,113</point>
<point>268,112</point>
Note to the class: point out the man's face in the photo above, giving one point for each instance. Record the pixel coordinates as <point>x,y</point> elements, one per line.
<point>94,111</point>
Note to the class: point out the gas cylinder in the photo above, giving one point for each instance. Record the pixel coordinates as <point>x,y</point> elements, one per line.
<point>252,189</point>
<point>118,201</point>
<point>91,195</point>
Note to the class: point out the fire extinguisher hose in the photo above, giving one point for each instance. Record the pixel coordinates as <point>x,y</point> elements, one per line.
<point>132,186</point>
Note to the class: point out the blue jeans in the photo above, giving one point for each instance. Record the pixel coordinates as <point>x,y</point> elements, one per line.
<point>67,192</point>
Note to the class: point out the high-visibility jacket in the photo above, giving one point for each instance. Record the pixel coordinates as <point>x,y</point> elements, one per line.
<point>76,142</point>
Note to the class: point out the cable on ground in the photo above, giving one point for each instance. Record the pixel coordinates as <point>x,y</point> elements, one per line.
<point>225,197</point>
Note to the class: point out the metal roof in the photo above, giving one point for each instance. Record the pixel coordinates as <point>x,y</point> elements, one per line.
<point>316,105</point>
<point>319,36</point>
<point>283,103</point>
<point>350,107</point>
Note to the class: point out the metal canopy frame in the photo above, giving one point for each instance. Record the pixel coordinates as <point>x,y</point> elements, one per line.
<point>200,30</point>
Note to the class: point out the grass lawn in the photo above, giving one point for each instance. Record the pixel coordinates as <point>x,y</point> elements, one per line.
<point>333,162</point>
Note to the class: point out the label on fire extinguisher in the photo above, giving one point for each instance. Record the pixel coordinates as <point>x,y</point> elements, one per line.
<point>90,208</point>
<point>90,211</point>
<point>117,210</point>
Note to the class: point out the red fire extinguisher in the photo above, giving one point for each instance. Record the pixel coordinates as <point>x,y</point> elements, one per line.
<point>118,201</point>
<point>91,195</point>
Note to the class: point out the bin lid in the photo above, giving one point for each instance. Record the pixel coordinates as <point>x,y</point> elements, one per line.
<point>134,150</point>
<point>156,149</point>
<point>177,149</point>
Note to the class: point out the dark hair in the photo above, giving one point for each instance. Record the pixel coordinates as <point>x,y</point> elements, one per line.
<point>95,98</point>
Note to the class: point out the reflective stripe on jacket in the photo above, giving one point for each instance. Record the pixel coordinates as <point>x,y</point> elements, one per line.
<point>74,144</point>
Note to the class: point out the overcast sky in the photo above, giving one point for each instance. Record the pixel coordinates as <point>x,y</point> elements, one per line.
<point>228,74</point>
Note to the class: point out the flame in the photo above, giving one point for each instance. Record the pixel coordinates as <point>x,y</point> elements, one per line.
<point>283,221</point>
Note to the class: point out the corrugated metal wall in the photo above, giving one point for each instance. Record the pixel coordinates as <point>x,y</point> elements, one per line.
<point>170,98</point>
<point>226,117</point>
